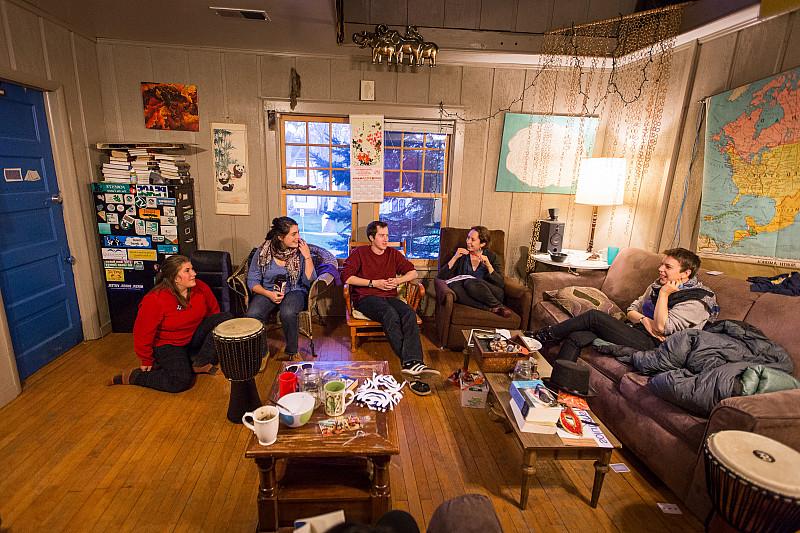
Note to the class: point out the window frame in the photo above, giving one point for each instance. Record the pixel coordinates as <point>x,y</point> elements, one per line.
<point>444,195</point>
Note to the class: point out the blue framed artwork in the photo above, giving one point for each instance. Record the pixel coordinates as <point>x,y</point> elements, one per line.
<point>542,153</point>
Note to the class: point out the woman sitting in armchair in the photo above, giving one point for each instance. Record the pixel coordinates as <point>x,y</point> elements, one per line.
<point>280,275</point>
<point>483,289</point>
<point>675,301</point>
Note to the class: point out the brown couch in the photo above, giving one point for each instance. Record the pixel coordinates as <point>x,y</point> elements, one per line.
<point>667,438</point>
<point>452,317</point>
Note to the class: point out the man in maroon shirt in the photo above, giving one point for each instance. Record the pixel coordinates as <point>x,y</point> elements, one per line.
<point>371,271</point>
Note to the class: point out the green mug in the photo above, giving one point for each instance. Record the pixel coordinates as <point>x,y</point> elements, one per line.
<point>337,398</point>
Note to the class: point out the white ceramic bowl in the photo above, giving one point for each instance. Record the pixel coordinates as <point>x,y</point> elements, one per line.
<point>301,404</point>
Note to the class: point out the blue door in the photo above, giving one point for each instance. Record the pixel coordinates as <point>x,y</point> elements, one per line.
<point>35,264</point>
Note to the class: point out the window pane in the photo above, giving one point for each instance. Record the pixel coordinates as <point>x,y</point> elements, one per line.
<point>296,176</point>
<point>320,178</point>
<point>392,159</point>
<point>412,159</point>
<point>391,181</point>
<point>433,182</point>
<point>341,180</point>
<point>341,157</point>
<point>418,221</point>
<point>392,138</point>
<point>319,156</point>
<point>323,220</point>
<point>341,133</point>
<point>412,181</point>
<point>435,140</point>
<point>296,156</point>
<point>295,132</point>
<point>319,132</point>
<point>434,160</point>
<point>413,140</point>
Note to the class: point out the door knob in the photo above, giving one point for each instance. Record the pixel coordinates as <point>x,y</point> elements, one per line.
<point>70,259</point>
<point>57,199</point>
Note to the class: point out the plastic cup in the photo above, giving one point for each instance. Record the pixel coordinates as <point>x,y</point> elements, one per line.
<point>612,253</point>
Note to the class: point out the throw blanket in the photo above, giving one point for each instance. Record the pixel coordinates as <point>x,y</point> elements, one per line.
<point>696,369</point>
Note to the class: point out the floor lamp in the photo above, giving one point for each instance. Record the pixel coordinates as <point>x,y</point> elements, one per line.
<point>601,181</point>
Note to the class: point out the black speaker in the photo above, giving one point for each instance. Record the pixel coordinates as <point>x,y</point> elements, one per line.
<point>551,235</point>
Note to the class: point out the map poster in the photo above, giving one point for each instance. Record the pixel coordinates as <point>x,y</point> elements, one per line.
<point>229,142</point>
<point>751,180</point>
<point>366,158</point>
<point>542,153</point>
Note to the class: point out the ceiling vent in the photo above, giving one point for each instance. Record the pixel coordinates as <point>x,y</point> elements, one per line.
<point>238,13</point>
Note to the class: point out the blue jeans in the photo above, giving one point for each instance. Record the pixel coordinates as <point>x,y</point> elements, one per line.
<point>399,323</point>
<point>293,302</point>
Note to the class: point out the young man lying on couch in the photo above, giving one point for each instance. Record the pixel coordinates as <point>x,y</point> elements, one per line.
<point>675,301</point>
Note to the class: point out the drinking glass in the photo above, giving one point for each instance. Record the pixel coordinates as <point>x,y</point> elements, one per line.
<point>311,382</point>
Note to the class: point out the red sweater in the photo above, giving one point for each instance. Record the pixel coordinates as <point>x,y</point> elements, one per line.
<point>162,321</point>
<point>364,263</point>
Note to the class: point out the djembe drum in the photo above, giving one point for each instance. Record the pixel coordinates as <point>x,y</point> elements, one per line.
<point>753,482</point>
<point>241,344</point>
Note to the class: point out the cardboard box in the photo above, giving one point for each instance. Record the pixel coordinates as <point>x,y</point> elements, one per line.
<point>474,395</point>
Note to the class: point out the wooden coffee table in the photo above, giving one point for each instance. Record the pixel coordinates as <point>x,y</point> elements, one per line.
<point>535,445</point>
<point>305,474</point>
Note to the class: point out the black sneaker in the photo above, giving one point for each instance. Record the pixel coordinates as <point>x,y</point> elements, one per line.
<point>420,369</point>
<point>420,388</point>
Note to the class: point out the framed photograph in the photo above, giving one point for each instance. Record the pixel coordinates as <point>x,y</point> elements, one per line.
<point>170,106</point>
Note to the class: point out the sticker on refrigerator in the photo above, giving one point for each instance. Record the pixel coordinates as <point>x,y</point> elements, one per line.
<point>127,265</point>
<point>138,265</point>
<point>142,255</point>
<point>120,208</point>
<point>126,241</point>
<point>114,198</point>
<point>188,215</point>
<point>158,238</point>
<point>103,228</point>
<point>151,228</point>
<point>152,190</point>
<point>141,227</point>
<point>140,201</point>
<point>168,211</point>
<point>151,203</point>
<point>115,274</point>
<point>169,221</point>
<point>12,174</point>
<point>150,214</point>
<point>125,286</point>
<point>168,249</point>
<point>126,222</point>
<point>166,201</point>
<point>170,234</point>
<point>112,187</point>
<point>112,218</point>
<point>32,175</point>
<point>131,211</point>
<point>101,214</point>
<point>129,199</point>
<point>116,254</point>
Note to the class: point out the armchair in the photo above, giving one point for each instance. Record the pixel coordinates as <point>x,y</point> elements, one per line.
<point>452,317</point>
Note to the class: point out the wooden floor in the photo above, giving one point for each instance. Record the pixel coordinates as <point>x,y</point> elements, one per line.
<point>77,455</point>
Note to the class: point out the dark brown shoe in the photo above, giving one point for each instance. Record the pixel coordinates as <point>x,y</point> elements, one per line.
<point>502,311</point>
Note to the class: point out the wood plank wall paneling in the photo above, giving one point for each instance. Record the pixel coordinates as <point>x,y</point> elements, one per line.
<point>26,38</point>
<point>445,85</point>
<point>413,85</point>
<point>315,76</point>
<point>792,56</point>
<point>426,13</point>
<point>534,15</point>
<point>5,50</point>
<point>462,13</point>
<point>757,51</point>
<point>345,79</point>
<point>498,15</point>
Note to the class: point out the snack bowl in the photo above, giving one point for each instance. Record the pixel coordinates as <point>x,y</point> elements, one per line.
<point>298,408</point>
<point>558,257</point>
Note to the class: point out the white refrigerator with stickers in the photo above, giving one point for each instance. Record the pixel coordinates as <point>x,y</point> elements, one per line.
<point>138,226</point>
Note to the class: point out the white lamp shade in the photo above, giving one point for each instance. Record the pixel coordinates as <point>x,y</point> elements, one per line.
<point>601,181</point>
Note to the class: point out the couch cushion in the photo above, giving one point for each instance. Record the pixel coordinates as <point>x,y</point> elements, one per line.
<point>465,315</point>
<point>633,387</point>
<point>733,295</point>
<point>577,300</point>
<point>629,275</point>
<point>774,314</point>
<point>605,364</point>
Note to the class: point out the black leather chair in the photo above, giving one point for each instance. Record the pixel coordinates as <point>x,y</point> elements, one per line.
<point>214,268</point>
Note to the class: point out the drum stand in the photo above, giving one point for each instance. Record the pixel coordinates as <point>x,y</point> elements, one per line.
<point>244,398</point>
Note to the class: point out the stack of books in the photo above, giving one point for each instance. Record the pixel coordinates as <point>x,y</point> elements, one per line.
<point>531,414</point>
<point>143,166</point>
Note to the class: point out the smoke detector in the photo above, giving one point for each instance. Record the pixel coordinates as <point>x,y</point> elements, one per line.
<point>241,13</point>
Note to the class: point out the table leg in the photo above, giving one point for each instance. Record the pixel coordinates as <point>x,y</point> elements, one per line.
<point>380,492</point>
<point>600,469</point>
<point>267,500</point>
<point>528,470</point>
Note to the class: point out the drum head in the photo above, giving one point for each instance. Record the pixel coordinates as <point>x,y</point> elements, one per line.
<point>237,328</point>
<point>760,460</point>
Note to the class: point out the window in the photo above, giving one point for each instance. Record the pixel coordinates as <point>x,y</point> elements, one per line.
<point>316,182</point>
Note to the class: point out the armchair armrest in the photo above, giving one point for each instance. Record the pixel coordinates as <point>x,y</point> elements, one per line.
<point>443,311</point>
<point>518,298</point>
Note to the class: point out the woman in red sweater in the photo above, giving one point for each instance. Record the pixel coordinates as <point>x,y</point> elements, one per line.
<point>172,332</point>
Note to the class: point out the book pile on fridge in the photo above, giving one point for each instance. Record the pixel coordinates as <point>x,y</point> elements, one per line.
<point>144,166</point>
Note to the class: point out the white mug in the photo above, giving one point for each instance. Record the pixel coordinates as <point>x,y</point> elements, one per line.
<point>265,424</point>
<point>337,398</point>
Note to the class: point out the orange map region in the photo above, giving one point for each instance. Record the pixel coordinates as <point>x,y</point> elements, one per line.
<point>747,141</point>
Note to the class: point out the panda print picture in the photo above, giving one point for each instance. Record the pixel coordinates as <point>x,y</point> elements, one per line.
<point>229,142</point>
